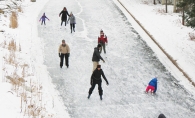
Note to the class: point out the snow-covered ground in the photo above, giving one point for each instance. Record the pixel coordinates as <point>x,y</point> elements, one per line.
<point>132,59</point>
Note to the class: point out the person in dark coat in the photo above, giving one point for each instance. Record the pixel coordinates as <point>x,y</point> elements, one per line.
<point>161,116</point>
<point>64,13</point>
<point>152,85</point>
<point>96,56</point>
<point>96,79</point>
<point>43,18</point>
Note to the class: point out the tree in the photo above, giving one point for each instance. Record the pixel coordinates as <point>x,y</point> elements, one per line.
<point>188,16</point>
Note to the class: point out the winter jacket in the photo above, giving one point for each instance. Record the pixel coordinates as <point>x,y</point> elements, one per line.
<point>64,49</point>
<point>96,55</point>
<point>153,83</point>
<point>64,15</point>
<point>72,19</point>
<point>43,17</point>
<point>102,39</point>
<point>161,116</point>
<point>96,76</point>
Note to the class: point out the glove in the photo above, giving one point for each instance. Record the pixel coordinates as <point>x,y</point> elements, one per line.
<point>103,61</point>
<point>68,54</point>
<point>59,55</point>
<point>107,83</point>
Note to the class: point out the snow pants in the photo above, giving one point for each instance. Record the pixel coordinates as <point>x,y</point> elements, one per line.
<point>43,21</point>
<point>104,47</point>
<point>99,87</point>
<point>62,59</point>
<point>150,88</point>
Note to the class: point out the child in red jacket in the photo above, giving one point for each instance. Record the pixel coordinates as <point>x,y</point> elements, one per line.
<point>103,41</point>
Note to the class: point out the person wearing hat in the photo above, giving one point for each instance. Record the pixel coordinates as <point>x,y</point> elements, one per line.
<point>152,85</point>
<point>72,22</point>
<point>64,13</point>
<point>161,116</point>
<point>64,51</point>
<point>96,79</point>
<point>96,56</point>
<point>102,39</point>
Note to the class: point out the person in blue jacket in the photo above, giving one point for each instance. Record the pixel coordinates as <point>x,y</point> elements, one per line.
<point>152,85</point>
<point>43,18</point>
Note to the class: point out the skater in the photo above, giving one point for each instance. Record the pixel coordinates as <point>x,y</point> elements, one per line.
<point>161,116</point>
<point>64,13</point>
<point>96,56</point>
<point>72,22</point>
<point>43,18</point>
<point>64,51</point>
<point>96,79</point>
<point>103,41</point>
<point>152,86</point>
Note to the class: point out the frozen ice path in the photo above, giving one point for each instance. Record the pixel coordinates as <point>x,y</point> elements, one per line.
<point>130,64</point>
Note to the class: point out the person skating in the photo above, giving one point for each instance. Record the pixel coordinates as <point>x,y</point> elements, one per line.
<point>96,79</point>
<point>96,56</point>
<point>64,13</point>
<point>102,39</point>
<point>152,85</point>
<point>72,22</point>
<point>43,19</point>
<point>64,51</point>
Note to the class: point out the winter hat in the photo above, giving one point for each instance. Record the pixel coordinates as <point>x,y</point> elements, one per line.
<point>99,45</point>
<point>63,41</point>
<point>161,116</point>
<point>98,66</point>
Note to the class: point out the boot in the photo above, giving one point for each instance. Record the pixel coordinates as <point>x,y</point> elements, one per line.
<point>89,96</point>
<point>100,97</point>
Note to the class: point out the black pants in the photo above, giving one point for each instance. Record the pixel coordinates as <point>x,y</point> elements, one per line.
<point>72,26</point>
<point>99,87</point>
<point>43,21</point>
<point>104,48</point>
<point>62,59</point>
<point>64,21</point>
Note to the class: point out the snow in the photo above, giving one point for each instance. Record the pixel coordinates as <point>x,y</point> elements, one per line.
<point>132,59</point>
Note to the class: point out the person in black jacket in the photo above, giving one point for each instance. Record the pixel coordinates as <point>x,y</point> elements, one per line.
<point>96,56</point>
<point>96,79</point>
<point>64,13</point>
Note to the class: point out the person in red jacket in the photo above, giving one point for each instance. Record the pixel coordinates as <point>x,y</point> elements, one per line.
<point>102,39</point>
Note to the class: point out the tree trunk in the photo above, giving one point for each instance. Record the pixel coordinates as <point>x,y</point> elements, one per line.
<point>166,6</point>
<point>174,8</point>
<point>183,17</point>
